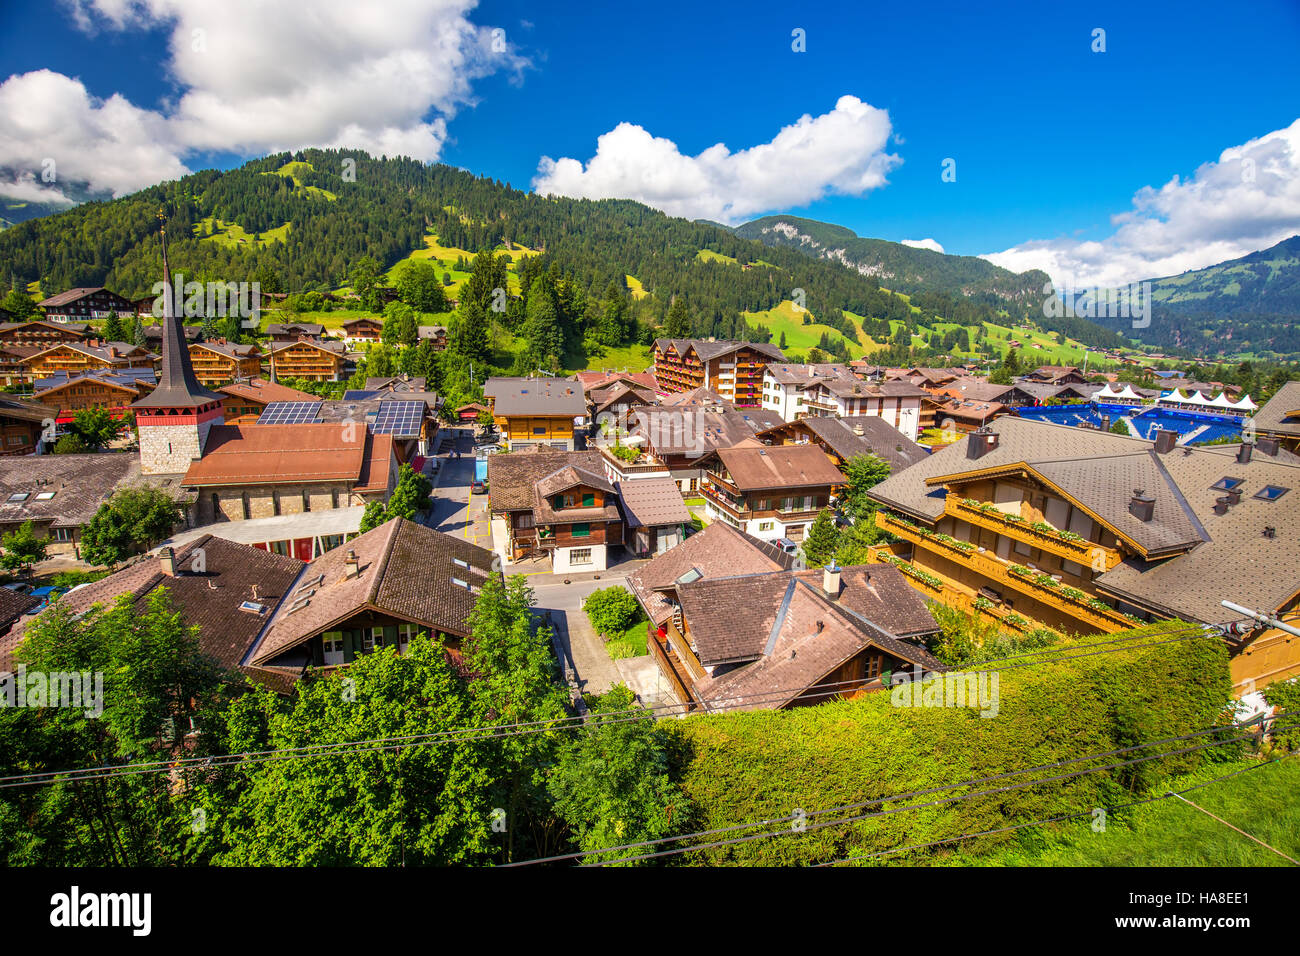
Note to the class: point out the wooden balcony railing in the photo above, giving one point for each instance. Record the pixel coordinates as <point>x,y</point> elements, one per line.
<point>1094,555</point>
<point>1034,584</point>
<point>660,654</point>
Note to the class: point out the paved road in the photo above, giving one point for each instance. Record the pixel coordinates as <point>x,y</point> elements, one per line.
<point>580,648</point>
<point>455,510</point>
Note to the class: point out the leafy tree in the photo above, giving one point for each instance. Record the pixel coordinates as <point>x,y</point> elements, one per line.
<point>863,472</point>
<point>487,275</point>
<point>409,498</point>
<point>133,520</point>
<point>611,610</point>
<point>612,783</point>
<point>96,427</point>
<point>418,286</point>
<point>468,336</point>
<point>364,277</point>
<point>154,680</point>
<point>22,548</point>
<point>374,515</point>
<point>516,682</point>
<point>542,326</point>
<point>70,444</point>
<point>400,326</point>
<point>425,804</point>
<point>19,304</point>
<point>819,546</point>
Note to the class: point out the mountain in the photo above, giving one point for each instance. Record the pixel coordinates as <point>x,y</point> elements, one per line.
<point>1245,306</point>
<point>900,268</point>
<point>305,219</point>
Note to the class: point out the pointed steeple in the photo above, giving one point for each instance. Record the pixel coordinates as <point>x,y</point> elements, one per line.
<point>177,386</point>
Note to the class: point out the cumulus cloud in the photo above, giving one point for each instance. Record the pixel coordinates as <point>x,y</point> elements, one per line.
<point>1247,200</point>
<point>383,76</point>
<point>931,244</point>
<point>842,151</point>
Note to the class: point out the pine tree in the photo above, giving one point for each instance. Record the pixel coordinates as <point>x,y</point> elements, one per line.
<point>823,537</point>
<point>677,325</point>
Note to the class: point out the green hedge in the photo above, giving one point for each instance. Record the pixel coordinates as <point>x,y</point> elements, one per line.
<point>743,767</point>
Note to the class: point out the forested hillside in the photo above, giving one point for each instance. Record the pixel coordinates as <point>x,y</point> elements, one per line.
<point>302,221</point>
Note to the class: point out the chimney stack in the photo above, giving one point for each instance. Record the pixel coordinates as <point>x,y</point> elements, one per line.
<point>1142,505</point>
<point>980,442</point>
<point>831,580</point>
<point>1165,441</point>
<point>1234,496</point>
<point>350,566</point>
<point>1244,452</point>
<point>1221,505</point>
<point>167,561</point>
<point>1267,446</point>
<point>859,430</point>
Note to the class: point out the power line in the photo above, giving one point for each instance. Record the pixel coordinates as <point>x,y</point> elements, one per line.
<point>888,799</point>
<point>1057,819</point>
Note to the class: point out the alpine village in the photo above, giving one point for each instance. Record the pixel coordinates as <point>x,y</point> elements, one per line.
<point>628,542</point>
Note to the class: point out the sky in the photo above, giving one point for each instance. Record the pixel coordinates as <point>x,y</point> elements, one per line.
<point>1102,143</point>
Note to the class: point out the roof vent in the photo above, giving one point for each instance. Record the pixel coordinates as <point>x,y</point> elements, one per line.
<point>1221,505</point>
<point>351,568</point>
<point>1270,531</point>
<point>1142,506</point>
<point>167,561</point>
<point>1166,439</point>
<point>1243,453</point>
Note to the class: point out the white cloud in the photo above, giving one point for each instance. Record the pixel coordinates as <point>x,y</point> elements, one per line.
<point>383,76</point>
<point>1247,200</point>
<point>931,244</point>
<point>842,151</point>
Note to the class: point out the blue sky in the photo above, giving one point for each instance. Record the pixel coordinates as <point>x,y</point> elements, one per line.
<point>1051,140</point>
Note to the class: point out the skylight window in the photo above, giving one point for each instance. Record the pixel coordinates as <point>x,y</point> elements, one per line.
<point>45,495</point>
<point>460,584</point>
<point>20,496</point>
<point>252,607</point>
<point>1227,483</point>
<point>1271,492</point>
<point>459,563</point>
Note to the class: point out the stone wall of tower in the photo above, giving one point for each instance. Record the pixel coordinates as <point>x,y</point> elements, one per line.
<point>169,449</point>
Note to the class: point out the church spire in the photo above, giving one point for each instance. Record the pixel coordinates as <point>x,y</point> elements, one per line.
<point>177,386</point>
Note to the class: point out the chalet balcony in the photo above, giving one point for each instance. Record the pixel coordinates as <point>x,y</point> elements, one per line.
<point>671,667</point>
<point>1037,585</point>
<point>1081,552</point>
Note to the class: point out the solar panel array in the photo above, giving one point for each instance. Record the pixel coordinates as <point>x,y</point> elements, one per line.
<point>289,413</point>
<point>399,418</point>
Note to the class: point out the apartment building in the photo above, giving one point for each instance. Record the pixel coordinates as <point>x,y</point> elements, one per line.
<point>732,369</point>
<point>1030,524</point>
<point>769,492</point>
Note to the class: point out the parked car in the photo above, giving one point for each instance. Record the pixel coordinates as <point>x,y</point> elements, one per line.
<point>788,546</point>
<point>477,487</point>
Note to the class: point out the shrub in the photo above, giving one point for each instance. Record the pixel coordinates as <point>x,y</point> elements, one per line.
<point>612,610</point>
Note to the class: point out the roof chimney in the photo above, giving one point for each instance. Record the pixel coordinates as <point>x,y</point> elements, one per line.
<point>980,442</point>
<point>831,580</point>
<point>350,566</point>
<point>1142,505</point>
<point>858,429</point>
<point>1234,496</point>
<point>167,561</point>
<point>1267,446</point>
<point>1244,452</point>
<point>1221,505</point>
<point>1165,441</point>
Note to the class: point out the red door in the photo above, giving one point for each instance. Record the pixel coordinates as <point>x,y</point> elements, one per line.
<point>302,549</point>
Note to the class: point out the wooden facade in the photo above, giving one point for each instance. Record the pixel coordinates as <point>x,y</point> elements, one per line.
<point>306,360</point>
<point>214,366</point>
<point>71,359</point>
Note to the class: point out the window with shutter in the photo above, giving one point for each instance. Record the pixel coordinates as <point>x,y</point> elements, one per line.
<point>588,500</point>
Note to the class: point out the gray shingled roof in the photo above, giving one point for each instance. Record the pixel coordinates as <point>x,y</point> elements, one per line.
<point>536,396</point>
<point>650,502</point>
<point>1273,417</point>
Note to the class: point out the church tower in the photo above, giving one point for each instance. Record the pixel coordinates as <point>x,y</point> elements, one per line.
<point>174,419</point>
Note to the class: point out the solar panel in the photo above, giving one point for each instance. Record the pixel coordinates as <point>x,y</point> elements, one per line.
<point>399,418</point>
<point>289,413</point>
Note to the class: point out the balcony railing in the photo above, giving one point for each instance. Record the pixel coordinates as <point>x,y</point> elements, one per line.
<point>663,660</point>
<point>1094,555</point>
<point>1034,584</point>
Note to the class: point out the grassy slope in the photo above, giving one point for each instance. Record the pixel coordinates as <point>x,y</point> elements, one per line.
<point>1169,832</point>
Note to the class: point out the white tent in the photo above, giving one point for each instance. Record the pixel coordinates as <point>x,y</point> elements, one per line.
<point>1221,401</point>
<point>1196,398</point>
<point>1175,396</point>
<point>1129,394</point>
<point>1106,391</point>
<point>1244,404</point>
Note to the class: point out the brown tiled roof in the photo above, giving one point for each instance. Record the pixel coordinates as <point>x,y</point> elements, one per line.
<point>695,433</point>
<point>593,379</point>
<point>13,605</point>
<point>24,409</point>
<point>377,468</point>
<point>650,502</point>
<point>511,477</point>
<point>228,349</point>
<point>210,599</point>
<point>793,632</point>
<point>779,466</point>
<point>710,350</point>
<point>404,569</point>
<point>260,390</point>
<point>1275,415</point>
<point>840,435</point>
<point>66,298</point>
<point>717,550</point>
<point>296,328</point>
<point>563,479</point>
<point>81,483</point>
<point>278,454</point>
